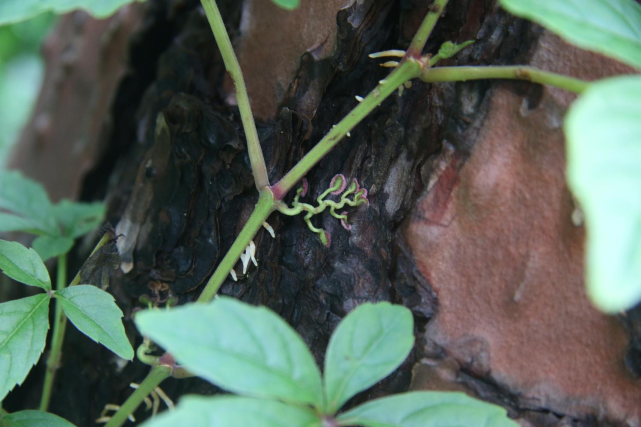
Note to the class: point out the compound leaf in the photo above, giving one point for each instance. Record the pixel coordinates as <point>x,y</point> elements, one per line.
<point>603,132</point>
<point>427,409</point>
<point>23,332</point>
<point>23,265</point>
<point>25,198</point>
<point>95,313</point>
<point>244,349</point>
<point>368,344</point>
<point>78,219</point>
<point>610,27</point>
<point>11,222</point>
<point>31,418</point>
<point>51,246</point>
<point>234,411</point>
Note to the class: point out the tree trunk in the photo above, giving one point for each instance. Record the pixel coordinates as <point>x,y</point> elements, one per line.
<point>470,222</point>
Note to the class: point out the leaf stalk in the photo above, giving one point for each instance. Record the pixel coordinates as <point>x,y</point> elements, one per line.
<point>59,326</point>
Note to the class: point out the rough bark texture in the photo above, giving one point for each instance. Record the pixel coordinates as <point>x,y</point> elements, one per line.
<point>469,224</point>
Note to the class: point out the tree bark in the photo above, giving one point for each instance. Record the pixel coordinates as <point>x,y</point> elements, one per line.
<point>469,223</point>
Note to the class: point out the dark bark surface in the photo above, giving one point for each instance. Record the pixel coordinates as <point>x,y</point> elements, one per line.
<point>437,162</point>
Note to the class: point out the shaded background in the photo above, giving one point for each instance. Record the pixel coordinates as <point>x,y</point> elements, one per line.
<point>21,72</point>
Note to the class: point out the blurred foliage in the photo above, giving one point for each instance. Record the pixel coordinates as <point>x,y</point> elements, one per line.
<point>12,11</point>
<point>21,72</point>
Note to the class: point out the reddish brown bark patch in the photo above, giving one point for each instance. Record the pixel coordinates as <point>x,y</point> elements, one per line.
<point>86,60</point>
<point>497,244</point>
<point>272,42</point>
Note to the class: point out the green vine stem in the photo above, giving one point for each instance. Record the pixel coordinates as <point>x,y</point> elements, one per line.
<point>407,70</point>
<point>231,64</point>
<point>264,207</point>
<point>425,30</point>
<point>271,198</point>
<point>461,74</point>
<point>157,375</point>
<point>60,325</point>
<point>412,66</point>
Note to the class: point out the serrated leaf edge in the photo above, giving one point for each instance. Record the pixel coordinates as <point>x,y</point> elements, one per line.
<point>63,298</point>
<point>45,299</point>
<point>43,285</point>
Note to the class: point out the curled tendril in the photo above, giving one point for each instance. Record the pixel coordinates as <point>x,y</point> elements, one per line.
<point>338,184</point>
<point>351,194</point>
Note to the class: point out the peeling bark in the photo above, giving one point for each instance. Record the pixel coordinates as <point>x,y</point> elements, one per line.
<point>496,241</point>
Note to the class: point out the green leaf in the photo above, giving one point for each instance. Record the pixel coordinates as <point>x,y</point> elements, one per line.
<point>244,349</point>
<point>11,222</point>
<point>95,313</point>
<point>78,219</point>
<point>23,331</point>
<point>603,129</point>
<point>234,411</point>
<point>19,10</point>
<point>427,409</point>
<point>287,4</point>
<point>33,419</point>
<point>610,27</point>
<point>368,344</point>
<point>23,265</point>
<point>26,198</point>
<point>50,246</point>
